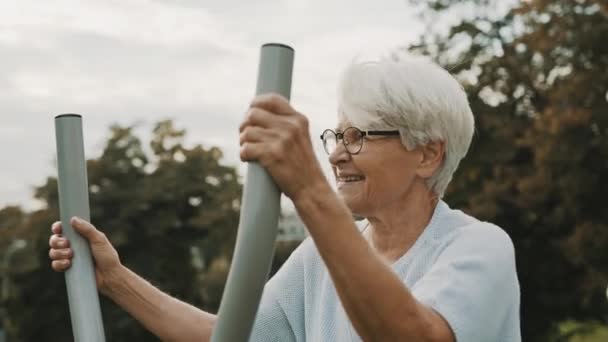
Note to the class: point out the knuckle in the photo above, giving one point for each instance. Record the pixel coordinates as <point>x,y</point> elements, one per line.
<point>247,132</point>
<point>284,138</point>
<point>299,123</point>
<point>277,150</point>
<point>253,113</point>
<point>242,138</point>
<point>304,123</point>
<point>292,128</point>
<point>101,236</point>
<point>54,241</point>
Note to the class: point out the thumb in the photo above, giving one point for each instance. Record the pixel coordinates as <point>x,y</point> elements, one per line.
<point>87,230</point>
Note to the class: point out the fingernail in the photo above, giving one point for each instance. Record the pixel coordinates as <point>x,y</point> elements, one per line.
<point>76,219</point>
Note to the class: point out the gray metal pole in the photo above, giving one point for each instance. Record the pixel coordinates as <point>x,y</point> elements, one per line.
<point>259,218</point>
<point>83,298</point>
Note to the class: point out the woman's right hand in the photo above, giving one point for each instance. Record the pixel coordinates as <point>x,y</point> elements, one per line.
<point>106,260</point>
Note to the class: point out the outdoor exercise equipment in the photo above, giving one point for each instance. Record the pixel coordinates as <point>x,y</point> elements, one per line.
<point>85,312</point>
<point>259,218</point>
<point>255,240</point>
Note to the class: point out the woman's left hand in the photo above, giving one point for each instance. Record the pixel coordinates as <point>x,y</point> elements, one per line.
<point>276,135</point>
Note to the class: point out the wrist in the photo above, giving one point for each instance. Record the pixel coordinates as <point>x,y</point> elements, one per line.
<point>114,281</point>
<point>312,193</point>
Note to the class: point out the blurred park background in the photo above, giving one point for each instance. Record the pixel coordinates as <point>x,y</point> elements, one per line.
<point>538,167</point>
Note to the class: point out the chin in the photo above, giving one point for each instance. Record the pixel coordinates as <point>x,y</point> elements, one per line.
<point>355,205</point>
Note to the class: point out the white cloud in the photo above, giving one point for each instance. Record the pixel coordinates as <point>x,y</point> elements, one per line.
<point>195,61</point>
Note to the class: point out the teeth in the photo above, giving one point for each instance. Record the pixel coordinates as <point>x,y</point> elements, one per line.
<point>351,178</point>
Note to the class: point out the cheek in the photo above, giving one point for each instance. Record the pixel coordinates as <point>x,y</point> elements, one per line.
<point>389,183</point>
<point>383,184</point>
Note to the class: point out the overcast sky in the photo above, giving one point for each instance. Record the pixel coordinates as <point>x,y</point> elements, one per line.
<point>137,61</point>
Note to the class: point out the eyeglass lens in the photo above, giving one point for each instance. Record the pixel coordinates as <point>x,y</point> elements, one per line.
<point>351,138</point>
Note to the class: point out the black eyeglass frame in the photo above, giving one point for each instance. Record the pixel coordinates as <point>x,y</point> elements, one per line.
<point>340,136</point>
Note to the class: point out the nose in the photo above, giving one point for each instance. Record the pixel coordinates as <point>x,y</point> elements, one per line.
<point>339,155</point>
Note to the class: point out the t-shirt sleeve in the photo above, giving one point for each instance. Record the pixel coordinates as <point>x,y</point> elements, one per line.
<point>473,285</point>
<point>280,316</point>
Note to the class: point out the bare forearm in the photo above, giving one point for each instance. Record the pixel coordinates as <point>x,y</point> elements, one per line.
<point>165,316</point>
<point>375,299</point>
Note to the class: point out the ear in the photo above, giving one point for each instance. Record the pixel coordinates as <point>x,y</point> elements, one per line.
<point>431,159</point>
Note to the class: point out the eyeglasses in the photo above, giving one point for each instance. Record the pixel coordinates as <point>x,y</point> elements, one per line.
<point>352,139</point>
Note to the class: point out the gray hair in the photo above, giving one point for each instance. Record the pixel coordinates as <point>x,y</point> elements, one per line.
<point>417,97</point>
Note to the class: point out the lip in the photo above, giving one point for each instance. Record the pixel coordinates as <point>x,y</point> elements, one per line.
<point>340,179</point>
<point>338,174</point>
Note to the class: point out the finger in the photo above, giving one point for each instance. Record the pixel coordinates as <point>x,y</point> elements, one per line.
<point>87,230</point>
<point>272,102</point>
<point>60,254</point>
<point>258,117</point>
<point>56,227</point>
<point>58,241</point>
<point>251,151</point>
<point>255,134</point>
<point>61,265</point>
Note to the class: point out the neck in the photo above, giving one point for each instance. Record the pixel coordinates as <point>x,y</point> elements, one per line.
<point>395,228</point>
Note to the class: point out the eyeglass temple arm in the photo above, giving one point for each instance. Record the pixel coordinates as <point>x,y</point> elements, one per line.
<point>380,132</point>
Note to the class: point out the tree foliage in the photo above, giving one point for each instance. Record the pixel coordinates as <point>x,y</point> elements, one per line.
<point>171,211</point>
<point>538,165</point>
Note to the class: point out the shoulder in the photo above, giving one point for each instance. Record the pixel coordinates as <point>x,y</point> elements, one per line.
<point>485,231</point>
<point>482,248</point>
<point>456,232</point>
<point>458,237</point>
<point>485,237</point>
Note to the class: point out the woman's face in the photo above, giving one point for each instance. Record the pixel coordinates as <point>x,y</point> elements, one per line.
<point>381,174</point>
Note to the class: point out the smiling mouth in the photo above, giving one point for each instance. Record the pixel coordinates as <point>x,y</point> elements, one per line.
<point>350,179</point>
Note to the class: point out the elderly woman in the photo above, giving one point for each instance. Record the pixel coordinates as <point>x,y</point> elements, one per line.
<point>414,270</point>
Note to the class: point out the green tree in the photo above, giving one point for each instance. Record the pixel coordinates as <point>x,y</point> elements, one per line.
<point>172,214</point>
<point>536,81</point>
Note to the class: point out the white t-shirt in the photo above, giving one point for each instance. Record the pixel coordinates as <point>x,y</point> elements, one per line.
<point>461,267</point>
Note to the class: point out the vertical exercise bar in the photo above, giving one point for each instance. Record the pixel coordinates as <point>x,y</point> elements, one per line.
<point>85,311</point>
<point>259,218</point>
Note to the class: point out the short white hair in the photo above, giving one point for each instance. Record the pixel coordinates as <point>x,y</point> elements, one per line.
<point>417,97</point>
